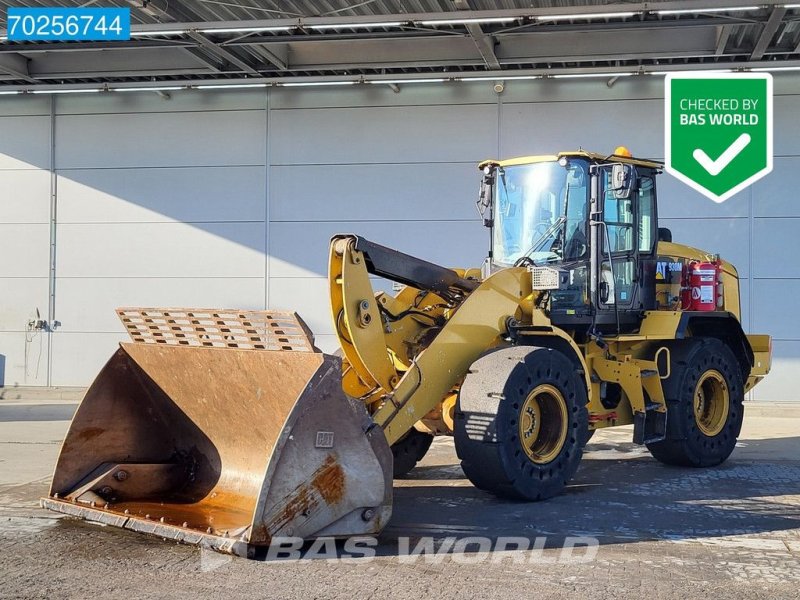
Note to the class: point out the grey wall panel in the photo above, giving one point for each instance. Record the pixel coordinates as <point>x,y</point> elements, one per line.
<point>301,249</point>
<point>773,307</point>
<point>26,105</point>
<point>400,192</point>
<point>191,194</point>
<point>781,383</point>
<point>228,137</point>
<point>327,343</point>
<point>23,358</point>
<point>383,135</point>
<point>78,357</point>
<point>308,296</point>
<point>550,127</point>
<point>571,90</point>
<point>785,83</point>
<point>161,250</point>
<point>24,142</point>
<point>88,304</point>
<point>24,250</point>
<point>145,219</point>
<point>744,302</point>
<point>21,297</point>
<point>786,139</point>
<point>24,196</point>
<point>776,194</point>
<point>411,94</point>
<point>776,247</point>
<point>137,102</point>
<point>724,236</point>
<point>676,199</point>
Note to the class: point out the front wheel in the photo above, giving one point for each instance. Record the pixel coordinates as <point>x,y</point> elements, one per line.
<point>704,395</point>
<point>521,422</point>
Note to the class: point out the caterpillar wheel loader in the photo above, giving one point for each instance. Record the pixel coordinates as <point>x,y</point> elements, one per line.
<point>230,429</point>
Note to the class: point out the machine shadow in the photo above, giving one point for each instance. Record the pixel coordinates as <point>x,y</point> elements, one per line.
<point>620,495</point>
<point>615,500</point>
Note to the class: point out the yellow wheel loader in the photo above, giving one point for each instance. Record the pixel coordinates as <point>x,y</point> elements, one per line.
<point>230,429</point>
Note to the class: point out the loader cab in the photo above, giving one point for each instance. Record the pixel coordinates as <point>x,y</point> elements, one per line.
<point>590,219</point>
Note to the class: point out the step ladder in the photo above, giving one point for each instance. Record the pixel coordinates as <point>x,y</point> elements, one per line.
<point>641,382</point>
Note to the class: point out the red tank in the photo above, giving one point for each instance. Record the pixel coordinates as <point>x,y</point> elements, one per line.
<point>702,290</point>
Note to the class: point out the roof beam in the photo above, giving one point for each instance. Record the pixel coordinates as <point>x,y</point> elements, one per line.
<point>175,11</point>
<point>723,35</point>
<point>222,53</point>
<point>639,8</point>
<point>386,79</point>
<point>768,32</point>
<point>17,66</point>
<point>483,42</point>
<point>171,14</point>
<point>272,55</point>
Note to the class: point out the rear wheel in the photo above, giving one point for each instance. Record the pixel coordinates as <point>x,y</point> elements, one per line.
<point>521,422</point>
<point>409,450</point>
<point>704,395</point>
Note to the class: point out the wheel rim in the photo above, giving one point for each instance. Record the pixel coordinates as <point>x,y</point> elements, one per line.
<point>711,403</point>
<point>543,424</point>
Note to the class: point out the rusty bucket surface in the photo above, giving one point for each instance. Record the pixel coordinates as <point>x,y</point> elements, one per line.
<point>207,433</point>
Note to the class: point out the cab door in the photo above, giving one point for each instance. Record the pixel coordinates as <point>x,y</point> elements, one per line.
<point>626,266</point>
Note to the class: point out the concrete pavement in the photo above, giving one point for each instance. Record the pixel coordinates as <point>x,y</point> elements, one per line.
<point>661,532</point>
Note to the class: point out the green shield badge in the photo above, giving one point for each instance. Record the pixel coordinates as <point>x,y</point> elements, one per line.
<point>718,136</point>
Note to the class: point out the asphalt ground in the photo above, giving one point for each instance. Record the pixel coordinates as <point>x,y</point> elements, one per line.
<point>626,526</point>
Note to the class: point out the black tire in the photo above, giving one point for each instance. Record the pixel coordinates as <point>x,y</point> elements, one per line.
<point>408,451</point>
<point>691,440</point>
<point>490,422</point>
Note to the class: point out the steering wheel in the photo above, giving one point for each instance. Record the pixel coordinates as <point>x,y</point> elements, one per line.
<point>524,261</point>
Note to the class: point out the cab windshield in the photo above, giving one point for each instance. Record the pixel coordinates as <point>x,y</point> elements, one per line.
<point>540,212</point>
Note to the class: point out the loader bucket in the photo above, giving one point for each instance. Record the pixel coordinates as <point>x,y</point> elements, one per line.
<point>224,432</point>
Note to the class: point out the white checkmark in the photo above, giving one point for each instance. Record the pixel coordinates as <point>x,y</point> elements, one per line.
<point>715,167</point>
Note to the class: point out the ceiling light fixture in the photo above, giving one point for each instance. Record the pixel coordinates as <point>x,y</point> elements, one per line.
<point>586,75</point>
<point>78,91</point>
<point>329,26</point>
<point>587,16</point>
<point>398,81</point>
<point>315,83</point>
<point>501,78</point>
<point>692,11</point>
<point>245,29</point>
<point>170,88</point>
<point>230,86</point>
<point>690,71</point>
<point>164,32</point>
<point>470,21</point>
<point>776,69</point>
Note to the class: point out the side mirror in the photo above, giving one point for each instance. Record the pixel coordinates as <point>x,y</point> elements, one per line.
<point>485,195</point>
<point>623,180</point>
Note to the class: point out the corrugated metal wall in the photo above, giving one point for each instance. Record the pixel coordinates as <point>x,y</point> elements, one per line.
<point>228,199</point>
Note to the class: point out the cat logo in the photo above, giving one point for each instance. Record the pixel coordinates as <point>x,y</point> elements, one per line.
<point>663,268</point>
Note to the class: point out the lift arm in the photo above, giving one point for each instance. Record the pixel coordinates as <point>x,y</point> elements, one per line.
<point>474,321</point>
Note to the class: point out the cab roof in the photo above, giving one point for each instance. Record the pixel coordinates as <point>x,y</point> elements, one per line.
<point>591,156</point>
